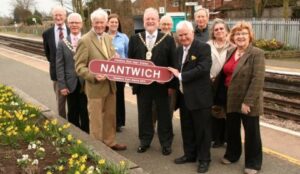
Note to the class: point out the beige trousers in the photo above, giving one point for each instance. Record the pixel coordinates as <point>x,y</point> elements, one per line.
<point>102,115</point>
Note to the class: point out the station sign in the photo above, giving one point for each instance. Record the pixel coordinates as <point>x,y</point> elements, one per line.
<point>130,70</point>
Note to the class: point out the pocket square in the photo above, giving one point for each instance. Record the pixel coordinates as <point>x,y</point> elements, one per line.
<point>193,57</point>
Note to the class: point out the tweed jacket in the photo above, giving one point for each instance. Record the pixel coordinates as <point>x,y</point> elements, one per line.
<point>89,48</point>
<point>247,82</point>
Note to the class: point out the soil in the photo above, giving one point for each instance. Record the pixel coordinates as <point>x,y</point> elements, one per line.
<point>9,156</point>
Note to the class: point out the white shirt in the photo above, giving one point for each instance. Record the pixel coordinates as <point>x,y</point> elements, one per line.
<point>153,35</point>
<point>184,55</point>
<point>56,32</point>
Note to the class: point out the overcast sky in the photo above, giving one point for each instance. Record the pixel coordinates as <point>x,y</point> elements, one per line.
<point>41,5</point>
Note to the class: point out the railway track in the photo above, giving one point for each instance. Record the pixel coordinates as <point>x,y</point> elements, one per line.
<point>285,85</point>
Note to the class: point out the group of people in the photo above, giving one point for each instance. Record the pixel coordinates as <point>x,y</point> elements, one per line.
<point>217,85</point>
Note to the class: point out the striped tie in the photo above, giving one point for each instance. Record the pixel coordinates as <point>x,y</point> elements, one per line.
<point>61,33</point>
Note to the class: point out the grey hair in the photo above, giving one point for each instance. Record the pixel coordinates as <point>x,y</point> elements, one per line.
<point>151,9</point>
<point>99,13</point>
<point>75,15</point>
<point>166,17</point>
<point>214,23</point>
<point>187,24</point>
<point>59,8</point>
<point>202,9</point>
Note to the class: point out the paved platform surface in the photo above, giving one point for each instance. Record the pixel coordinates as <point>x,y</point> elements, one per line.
<point>281,150</point>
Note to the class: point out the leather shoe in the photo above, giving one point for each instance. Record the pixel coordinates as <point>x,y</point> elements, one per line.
<point>166,150</point>
<point>184,159</point>
<point>203,167</point>
<point>119,147</point>
<point>118,129</point>
<point>142,149</point>
<point>217,145</point>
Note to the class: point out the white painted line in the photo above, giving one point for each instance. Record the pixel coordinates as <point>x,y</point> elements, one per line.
<point>33,58</point>
<point>287,131</point>
<point>283,71</point>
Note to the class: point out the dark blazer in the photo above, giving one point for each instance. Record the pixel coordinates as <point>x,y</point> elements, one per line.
<point>162,55</point>
<point>65,67</point>
<point>195,73</point>
<point>50,50</point>
<point>247,82</point>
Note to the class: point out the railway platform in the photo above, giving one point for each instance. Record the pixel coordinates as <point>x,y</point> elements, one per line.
<point>280,145</point>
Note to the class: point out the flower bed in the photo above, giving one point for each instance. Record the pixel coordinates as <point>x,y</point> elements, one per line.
<point>30,144</point>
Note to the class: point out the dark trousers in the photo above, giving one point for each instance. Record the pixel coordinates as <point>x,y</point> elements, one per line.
<point>77,109</point>
<point>253,145</point>
<point>218,130</point>
<point>120,104</point>
<point>196,132</point>
<point>145,97</point>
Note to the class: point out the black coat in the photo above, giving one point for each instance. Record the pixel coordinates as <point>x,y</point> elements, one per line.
<point>162,55</point>
<point>50,50</point>
<point>195,73</point>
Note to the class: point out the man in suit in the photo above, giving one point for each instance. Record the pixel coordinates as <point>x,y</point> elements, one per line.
<point>159,48</point>
<point>50,40</point>
<point>193,72</point>
<point>100,91</point>
<point>69,83</point>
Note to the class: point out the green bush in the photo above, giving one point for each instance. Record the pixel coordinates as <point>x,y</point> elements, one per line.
<point>269,45</point>
<point>29,20</point>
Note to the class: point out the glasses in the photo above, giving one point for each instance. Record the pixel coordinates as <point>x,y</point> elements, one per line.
<point>241,34</point>
<point>217,29</point>
<point>166,24</point>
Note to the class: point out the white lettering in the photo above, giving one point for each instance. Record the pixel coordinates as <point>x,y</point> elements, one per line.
<point>148,73</point>
<point>156,74</point>
<point>120,70</point>
<point>112,69</point>
<point>135,71</point>
<point>104,67</point>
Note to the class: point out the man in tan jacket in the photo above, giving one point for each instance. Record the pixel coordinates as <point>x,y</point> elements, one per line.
<point>100,91</point>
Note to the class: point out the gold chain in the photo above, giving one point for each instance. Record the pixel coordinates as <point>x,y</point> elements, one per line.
<point>148,48</point>
<point>69,45</point>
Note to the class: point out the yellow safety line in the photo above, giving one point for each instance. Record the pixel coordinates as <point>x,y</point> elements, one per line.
<point>281,156</point>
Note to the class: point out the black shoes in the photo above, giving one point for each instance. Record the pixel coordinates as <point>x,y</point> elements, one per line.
<point>217,145</point>
<point>166,150</point>
<point>184,159</point>
<point>142,149</point>
<point>118,129</point>
<point>203,167</point>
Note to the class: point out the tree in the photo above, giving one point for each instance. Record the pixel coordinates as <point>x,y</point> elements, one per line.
<point>23,4</point>
<point>259,6</point>
<point>20,14</point>
<point>285,9</point>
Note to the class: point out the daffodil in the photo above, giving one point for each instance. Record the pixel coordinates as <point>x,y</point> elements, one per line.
<point>69,137</point>
<point>54,122</point>
<point>101,162</point>
<point>61,168</point>
<point>82,167</point>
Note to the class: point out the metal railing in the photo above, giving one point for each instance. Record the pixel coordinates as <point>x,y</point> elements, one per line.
<point>286,31</point>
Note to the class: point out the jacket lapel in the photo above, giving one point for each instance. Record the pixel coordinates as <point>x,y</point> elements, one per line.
<point>192,47</point>
<point>96,42</point>
<point>242,61</point>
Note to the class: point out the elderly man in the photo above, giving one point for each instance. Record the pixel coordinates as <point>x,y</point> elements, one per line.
<point>166,24</point>
<point>193,72</point>
<point>50,40</point>
<point>68,82</point>
<point>100,91</point>
<point>201,19</point>
<point>159,48</point>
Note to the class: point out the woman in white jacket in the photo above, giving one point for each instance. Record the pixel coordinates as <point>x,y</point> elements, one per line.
<point>219,44</point>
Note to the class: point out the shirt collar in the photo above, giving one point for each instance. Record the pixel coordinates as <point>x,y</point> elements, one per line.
<point>153,34</point>
<point>78,35</point>
<point>63,27</point>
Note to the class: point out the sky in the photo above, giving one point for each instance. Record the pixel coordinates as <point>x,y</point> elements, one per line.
<point>41,5</point>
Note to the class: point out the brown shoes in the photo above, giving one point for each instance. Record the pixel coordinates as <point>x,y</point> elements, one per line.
<point>119,147</point>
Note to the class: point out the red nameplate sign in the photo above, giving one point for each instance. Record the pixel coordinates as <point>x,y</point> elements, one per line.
<point>130,70</point>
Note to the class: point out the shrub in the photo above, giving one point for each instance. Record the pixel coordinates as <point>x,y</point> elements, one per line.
<point>269,45</point>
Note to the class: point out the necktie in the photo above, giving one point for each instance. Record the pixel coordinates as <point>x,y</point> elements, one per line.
<point>61,33</point>
<point>103,46</point>
<point>74,42</point>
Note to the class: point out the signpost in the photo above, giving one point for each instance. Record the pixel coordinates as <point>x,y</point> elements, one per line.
<point>130,71</point>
